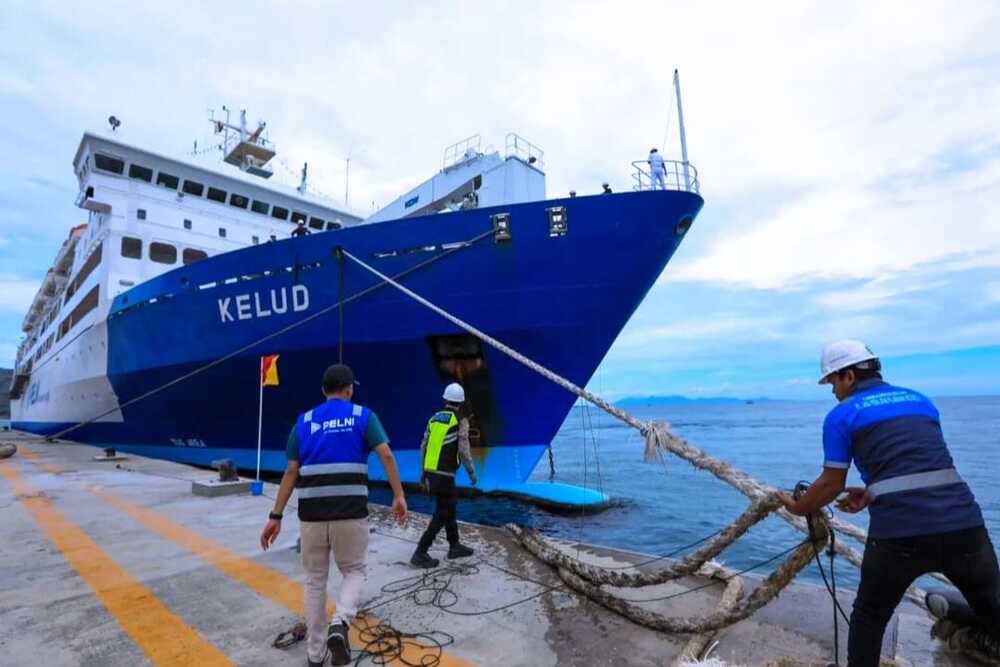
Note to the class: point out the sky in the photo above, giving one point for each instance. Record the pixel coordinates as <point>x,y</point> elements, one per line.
<point>849,152</point>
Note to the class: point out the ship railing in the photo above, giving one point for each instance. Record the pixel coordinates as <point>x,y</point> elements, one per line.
<point>677,176</point>
<point>460,151</point>
<point>519,147</point>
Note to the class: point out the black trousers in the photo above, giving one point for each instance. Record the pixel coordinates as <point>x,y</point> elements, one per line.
<point>890,566</point>
<point>446,498</point>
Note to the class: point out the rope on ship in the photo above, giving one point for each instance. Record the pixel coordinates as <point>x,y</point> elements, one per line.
<point>658,439</point>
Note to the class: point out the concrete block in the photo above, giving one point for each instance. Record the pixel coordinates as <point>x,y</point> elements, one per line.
<point>213,488</point>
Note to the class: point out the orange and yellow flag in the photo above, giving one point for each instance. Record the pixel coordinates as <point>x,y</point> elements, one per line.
<point>269,370</point>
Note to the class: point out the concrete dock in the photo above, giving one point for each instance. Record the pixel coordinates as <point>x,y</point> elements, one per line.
<point>118,563</point>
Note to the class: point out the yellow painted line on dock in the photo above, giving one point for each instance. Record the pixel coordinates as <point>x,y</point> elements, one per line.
<point>157,631</point>
<point>254,575</point>
<point>37,460</point>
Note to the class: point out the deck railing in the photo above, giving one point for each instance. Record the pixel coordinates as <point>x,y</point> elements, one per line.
<point>677,176</point>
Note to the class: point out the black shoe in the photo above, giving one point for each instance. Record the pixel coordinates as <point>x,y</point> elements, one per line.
<point>459,551</point>
<point>949,604</point>
<point>310,663</point>
<point>422,559</point>
<point>339,645</point>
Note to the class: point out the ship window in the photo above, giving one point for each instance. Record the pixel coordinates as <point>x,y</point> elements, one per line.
<point>239,201</point>
<point>85,270</point>
<point>255,239</point>
<point>140,173</point>
<point>187,224</point>
<point>298,217</point>
<point>316,223</point>
<point>108,163</point>
<point>162,253</point>
<point>215,194</point>
<point>140,213</point>
<point>87,304</point>
<point>274,237</point>
<point>167,181</point>
<point>279,213</point>
<point>193,188</point>
<point>333,225</point>
<point>131,247</point>
<point>192,255</point>
<point>259,206</point>
<point>222,232</point>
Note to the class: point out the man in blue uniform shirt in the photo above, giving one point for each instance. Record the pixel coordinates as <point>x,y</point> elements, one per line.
<point>923,516</point>
<point>327,456</point>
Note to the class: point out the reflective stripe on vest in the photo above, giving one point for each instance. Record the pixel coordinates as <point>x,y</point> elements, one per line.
<point>920,480</point>
<point>442,437</point>
<point>333,462</point>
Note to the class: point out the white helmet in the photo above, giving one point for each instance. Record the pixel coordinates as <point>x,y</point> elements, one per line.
<point>843,354</point>
<point>454,393</point>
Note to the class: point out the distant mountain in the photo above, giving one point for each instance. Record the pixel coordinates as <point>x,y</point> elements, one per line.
<point>657,401</point>
<point>5,377</point>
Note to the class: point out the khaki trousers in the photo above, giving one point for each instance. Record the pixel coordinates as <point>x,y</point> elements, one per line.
<point>347,540</point>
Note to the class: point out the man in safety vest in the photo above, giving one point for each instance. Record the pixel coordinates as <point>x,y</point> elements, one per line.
<point>327,456</point>
<point>923,516</point>
<point>445,444</point>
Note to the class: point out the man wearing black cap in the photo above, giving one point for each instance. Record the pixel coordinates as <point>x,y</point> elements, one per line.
<point>327,456</point>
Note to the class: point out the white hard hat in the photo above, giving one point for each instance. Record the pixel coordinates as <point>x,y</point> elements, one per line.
<point>454,393</point>
<point>842,354</point>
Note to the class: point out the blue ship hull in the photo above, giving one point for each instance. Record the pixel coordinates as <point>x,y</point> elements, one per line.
<point>560,300</point>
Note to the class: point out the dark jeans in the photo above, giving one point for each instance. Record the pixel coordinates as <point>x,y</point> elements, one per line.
<point>966,557</point>
<point>446,497</point>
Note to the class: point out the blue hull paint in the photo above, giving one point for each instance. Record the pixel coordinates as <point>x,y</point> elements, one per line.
<point>560,300</point>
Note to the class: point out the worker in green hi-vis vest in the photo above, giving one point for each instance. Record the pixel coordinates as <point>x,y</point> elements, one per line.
<point>445,445</point>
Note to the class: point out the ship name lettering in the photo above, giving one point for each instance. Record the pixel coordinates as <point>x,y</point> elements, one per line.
<point>255,305</point>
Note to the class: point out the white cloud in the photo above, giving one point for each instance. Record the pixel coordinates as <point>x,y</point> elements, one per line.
<point>16,293</point>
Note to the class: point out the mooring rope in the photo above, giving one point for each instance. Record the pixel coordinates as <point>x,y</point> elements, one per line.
<point>658,439</point>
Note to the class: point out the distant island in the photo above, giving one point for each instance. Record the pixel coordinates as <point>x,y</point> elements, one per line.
<point>658,401</point>
<point>5,377</point>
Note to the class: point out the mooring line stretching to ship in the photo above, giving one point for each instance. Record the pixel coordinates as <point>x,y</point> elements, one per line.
<point>180,265</point>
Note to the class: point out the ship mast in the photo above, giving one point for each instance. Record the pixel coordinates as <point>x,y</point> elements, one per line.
<point>680,121</point>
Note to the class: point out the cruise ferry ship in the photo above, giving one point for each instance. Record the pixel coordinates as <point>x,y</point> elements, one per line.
<point>147,331</point>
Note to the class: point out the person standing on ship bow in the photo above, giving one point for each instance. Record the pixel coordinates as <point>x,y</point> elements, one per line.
<point>300,229</point>
<point>923,516</point>
<point>657,170</point>
<point>327,456</point>
<point>445,443</point>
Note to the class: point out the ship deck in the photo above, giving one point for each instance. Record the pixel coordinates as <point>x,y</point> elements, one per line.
<point>118,563</point>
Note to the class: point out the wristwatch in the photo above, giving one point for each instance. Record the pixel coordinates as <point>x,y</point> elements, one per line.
<point>276,516</point>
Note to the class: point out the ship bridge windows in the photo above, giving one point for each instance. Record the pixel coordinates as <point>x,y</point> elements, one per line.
<point>108,163</point>
<point>215,194</point>
<point>167,180</point>
<point>193,188</point>
<point>330,225</point>
<point>192,255</point>
<point>222,232</point>
<point>131,247</point>
<point>162,253</point>
<point>279,213</point>
<point>317,223</point>
<point>187,224</point>
<point>259,206</point>
<point>298,216</point>
<point>239,201</point>
<point>140,173</point>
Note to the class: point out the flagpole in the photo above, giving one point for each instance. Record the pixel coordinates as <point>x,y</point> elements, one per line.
<point>260,411</point>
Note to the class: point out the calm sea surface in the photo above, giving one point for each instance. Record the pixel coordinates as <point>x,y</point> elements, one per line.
<point>666,507</point>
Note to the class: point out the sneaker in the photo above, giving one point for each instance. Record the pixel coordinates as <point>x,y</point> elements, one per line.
<point>310,663</point>
<point>339,645</point>
<point>978,643</point>
<point>422,559</point>
<point>459,551</point>
<point>949,604</point>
